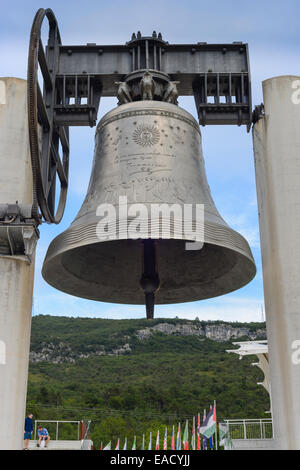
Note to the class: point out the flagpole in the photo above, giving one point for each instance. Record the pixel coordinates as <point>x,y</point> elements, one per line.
<point>193,435</point>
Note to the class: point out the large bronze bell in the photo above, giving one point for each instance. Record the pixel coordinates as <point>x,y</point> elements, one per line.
<point>149,151</point>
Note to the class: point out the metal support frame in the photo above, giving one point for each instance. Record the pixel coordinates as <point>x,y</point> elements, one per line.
<point>217,75</point>
<point>18,231</point>
<point>76,76</point>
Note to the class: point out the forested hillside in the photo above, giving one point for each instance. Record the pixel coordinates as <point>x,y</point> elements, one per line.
<point>134,376</point>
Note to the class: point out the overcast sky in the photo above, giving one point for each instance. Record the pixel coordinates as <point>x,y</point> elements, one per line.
<point>271,28</point>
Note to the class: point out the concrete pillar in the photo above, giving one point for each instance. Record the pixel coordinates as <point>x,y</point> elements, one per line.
<point>16,274</point>
<point>276,139</point>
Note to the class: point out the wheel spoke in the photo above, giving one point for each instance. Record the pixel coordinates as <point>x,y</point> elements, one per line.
<point>44,67</point>
<point>59,167</point>
<point>42,112</point>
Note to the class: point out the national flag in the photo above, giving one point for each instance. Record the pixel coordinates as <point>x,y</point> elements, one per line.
<point>165,440</point>
<point>150,442</point>
<point>143,443</point>
<point>209,424</point>
<point>193,435</point>
<point>178,439</point>
<point>157,441</point>
<point>134,444</point>
<point>173,439</point>
<point>117,445</point>
<point>211,439</point>
<point>204,438</point>
<point>223,432</point>
<point>225,439</point>
<point>216,431</point>
<point>186,436</point>
<point>198,434</point>
<point>108,446</point>
<point>125,444</point>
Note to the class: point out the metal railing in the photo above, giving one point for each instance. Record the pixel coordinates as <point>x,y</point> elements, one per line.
<point>54,425</point>
<point>250,428</point>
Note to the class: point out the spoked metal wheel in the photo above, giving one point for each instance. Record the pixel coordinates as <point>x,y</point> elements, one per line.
<point>50,148</point>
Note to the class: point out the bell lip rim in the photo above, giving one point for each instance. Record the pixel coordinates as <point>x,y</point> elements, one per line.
<point>251,271</point>
<point>157,301</point>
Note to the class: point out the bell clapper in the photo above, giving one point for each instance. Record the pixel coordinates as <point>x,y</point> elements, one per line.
<point>149,281</point>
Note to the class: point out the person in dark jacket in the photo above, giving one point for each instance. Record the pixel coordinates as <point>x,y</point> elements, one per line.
<point>28,430</point>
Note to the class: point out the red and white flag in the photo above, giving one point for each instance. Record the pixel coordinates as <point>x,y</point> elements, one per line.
<point>173,439</point>
<point>165,440</point>
<point>178,440</point>
<point>198,434</point>
<point>157,441</point>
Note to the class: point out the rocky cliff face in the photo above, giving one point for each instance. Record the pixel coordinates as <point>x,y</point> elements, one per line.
<point>62,352</point>
<point>216,332</point>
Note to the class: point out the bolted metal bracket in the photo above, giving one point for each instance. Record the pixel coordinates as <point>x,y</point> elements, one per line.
<point>258,113</point>
<point>30,238</point>
<point>18,232</point>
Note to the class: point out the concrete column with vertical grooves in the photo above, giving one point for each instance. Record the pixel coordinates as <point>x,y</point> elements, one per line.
<point>276,139</point>
<point>16,275</point>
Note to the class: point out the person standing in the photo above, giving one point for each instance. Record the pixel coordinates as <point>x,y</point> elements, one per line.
<point>28,430</point>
